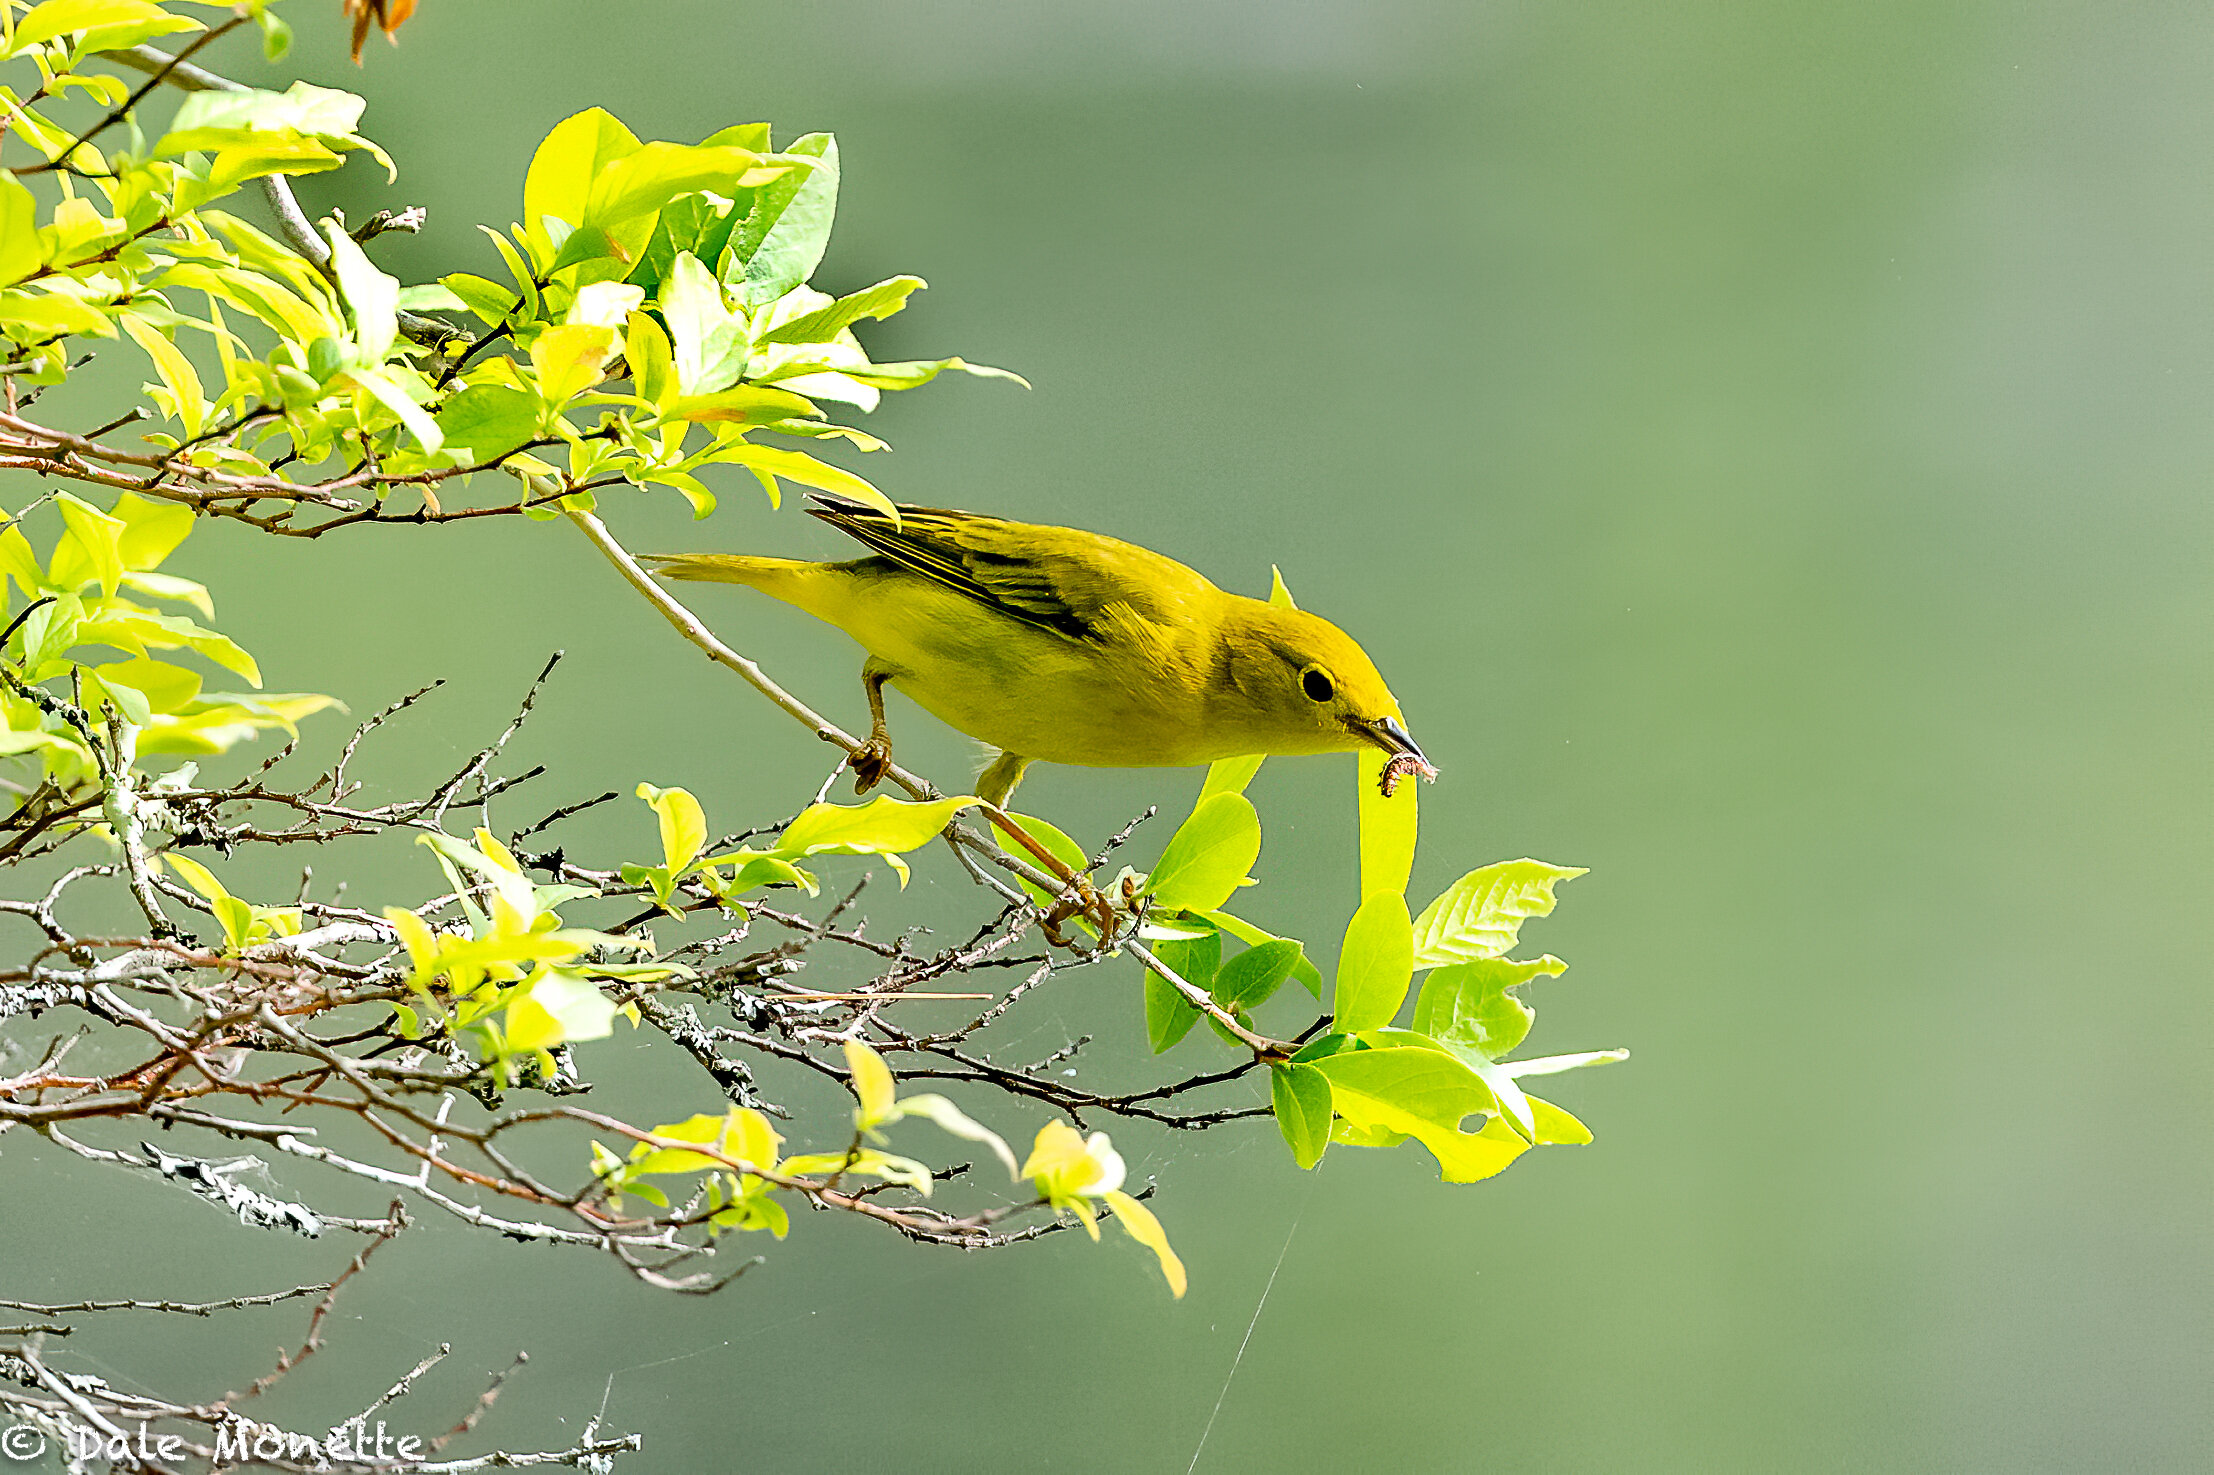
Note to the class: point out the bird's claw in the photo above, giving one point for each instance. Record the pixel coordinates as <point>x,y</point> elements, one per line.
<point>1081,899</point>
<point>870,762</point>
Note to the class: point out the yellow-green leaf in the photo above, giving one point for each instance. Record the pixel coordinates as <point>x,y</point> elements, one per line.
<point>151,530</point>
<point>91,549</point>
<point>883,826</point>
<point>1230,775</point>
<point>198,877</point>
<point>559,180</point>
<point>1375,965</point>
<point>1424,1094</point>
<point>798,466</point>
<point>872,1085</point>
<point>683,825</point>
<point>1481,915</point>
<point>1387,827</point>
<point>1210,854</point>
<point>187,404</point>
<point>1138,1220</point>
<point>19,243</point>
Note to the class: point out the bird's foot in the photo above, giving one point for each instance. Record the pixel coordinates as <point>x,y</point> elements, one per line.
<point>870,763</point>
<point>1081,899</point>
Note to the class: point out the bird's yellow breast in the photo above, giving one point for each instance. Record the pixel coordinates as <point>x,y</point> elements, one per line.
<point>1129,698</point>
<point>1069,647</point>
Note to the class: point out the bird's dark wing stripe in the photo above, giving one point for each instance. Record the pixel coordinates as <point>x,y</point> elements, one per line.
<point>1014,586</point>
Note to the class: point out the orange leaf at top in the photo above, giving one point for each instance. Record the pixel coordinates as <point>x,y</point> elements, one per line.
<point>389,14</point>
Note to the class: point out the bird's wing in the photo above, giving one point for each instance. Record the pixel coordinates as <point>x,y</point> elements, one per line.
<point>1058,579</point>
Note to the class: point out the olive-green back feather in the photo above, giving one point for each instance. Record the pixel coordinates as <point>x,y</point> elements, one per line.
<point>1056,579</point>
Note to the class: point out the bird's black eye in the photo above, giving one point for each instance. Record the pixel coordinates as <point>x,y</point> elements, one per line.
<point>1316,683</point>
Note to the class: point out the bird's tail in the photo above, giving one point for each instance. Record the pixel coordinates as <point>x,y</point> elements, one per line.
<point>765,574</point>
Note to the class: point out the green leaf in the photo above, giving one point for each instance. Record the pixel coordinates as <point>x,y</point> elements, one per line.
<point>1248,980</point>
<point>751,869</point>
<point>197,876</point>
<point>688,223</point>
<point>40,315</point>
<point>805,469</point>
<point>559,181</point>
<point>1300,1095</point>
<point>1138,1222</point>
<point>913,373</point>
<point>1555,1126</point>
<point>211,119</point>
<point>1195,959</point>
<point>951,1118</point>
<point>1387,827</point>
<point>683,824</point>
<point>1424,1094</point>
<point>1549,1065</point>
<point>92,548</point>
<point>525,284</point>
<point>237,918</point>
<point>165,688</point>
<point>694,490</point>
<point>1169,1016</point>
<point>1467,1004</point>
<point>884,826</point>
<point>51,630</point>
<point>748,404</point>
<point>1512,1103</point>
<point>490,301</point>
<point>628,192</point>
<point>431,297</point>
<point>19,563</point>
<point>490,420</point>
<point>151,531</point>
<point>128,700</point>
<point>370,296</point>
<point>1230,775</point>
<point>186,401</point>
<point>1481,915</point>
<point>709,341</point>
<point>872,1086</point>
<point>1210,854</point>
<point>276,35</point>
<point>826,323</point>
<point>264,296</point>
<point>570,358</point>
<point>1308,975</point>
<point>215,725</point>
<point>389,392</point>
<point>258,155</point>
<point>558,1007</point>
<point>1375,964</point>
<point>19,243</point>
<point>783,237</point>
<point>110,24</point>
<point>652,361</point>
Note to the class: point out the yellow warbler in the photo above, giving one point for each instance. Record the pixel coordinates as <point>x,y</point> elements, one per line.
<point>1057,645</point>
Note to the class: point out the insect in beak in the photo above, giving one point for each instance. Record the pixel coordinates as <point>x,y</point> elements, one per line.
<point>1406,757</point>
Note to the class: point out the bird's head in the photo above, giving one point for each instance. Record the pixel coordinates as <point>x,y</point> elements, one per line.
<point>1317,691</point>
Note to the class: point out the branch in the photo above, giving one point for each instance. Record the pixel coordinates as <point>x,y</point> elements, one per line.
<point>292,221</point>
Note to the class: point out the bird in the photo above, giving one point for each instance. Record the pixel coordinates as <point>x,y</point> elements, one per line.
<point>1059,645</point>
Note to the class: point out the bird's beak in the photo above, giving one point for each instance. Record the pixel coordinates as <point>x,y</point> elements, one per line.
<point>1388,734</point>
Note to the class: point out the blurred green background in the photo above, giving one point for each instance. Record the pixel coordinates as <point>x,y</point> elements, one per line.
<point>1767,448</point>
